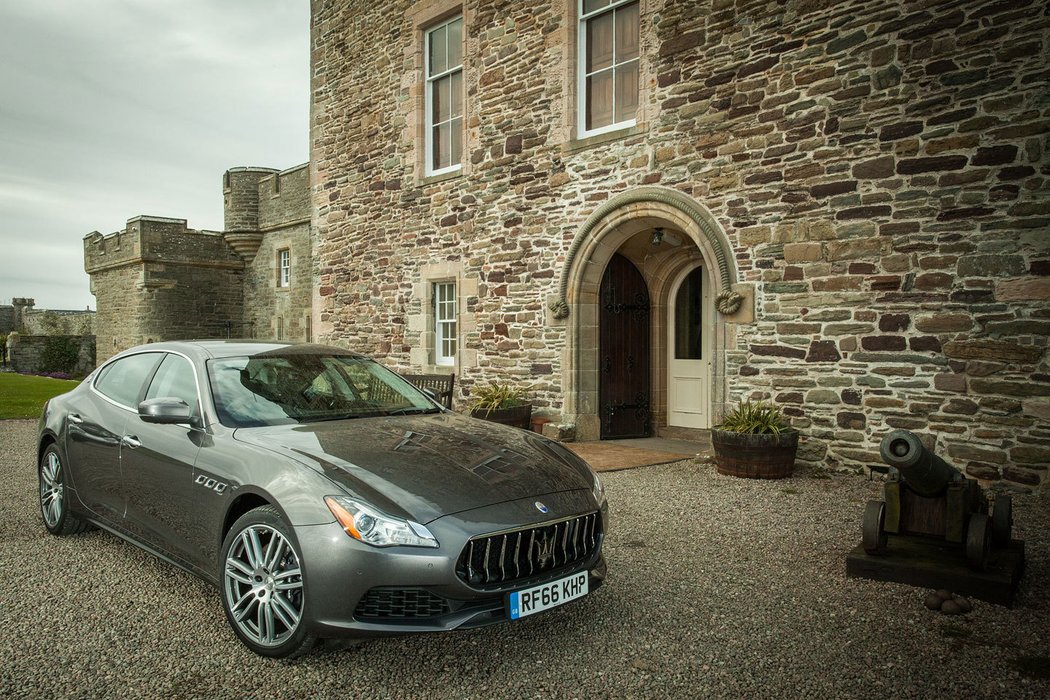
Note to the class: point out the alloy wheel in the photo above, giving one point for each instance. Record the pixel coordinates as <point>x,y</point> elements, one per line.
<point>52,490</point>
<point>263,585</point>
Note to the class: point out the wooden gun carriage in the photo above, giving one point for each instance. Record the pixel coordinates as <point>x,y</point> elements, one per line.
<point>927,497</point>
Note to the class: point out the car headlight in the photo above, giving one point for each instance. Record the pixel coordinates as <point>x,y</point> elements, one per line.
<point>364,523</point>
<point>599,489</point>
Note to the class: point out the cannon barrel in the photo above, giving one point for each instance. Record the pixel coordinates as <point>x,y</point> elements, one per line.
<point>923,471</point>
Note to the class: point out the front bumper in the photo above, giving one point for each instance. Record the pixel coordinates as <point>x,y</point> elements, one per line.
<point>340,572</point>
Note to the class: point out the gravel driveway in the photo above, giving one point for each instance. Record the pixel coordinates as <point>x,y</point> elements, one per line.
<point>719,587</point>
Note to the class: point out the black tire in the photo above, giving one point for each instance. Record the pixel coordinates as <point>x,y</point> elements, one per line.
<point>263,591</point>
<point>54,496</point>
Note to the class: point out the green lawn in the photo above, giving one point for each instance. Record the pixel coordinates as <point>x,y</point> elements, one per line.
<point>23,396</point>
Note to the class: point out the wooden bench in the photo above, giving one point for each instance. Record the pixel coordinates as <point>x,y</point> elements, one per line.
<point>440,384</point>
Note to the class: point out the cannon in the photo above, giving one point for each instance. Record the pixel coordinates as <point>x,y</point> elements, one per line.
<point>926,497</point>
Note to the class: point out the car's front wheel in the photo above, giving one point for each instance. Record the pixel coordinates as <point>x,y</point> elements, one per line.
<point>54,508</point>
<point>263,591</point>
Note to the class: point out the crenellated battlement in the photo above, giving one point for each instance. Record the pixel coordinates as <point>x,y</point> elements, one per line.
<point>284,198</point>
<point>154,239</point>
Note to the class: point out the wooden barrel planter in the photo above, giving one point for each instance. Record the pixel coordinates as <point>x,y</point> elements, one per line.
<point>755,455</point>
<point>516,416</point>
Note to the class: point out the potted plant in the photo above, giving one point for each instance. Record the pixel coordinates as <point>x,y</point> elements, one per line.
<point>502,403</point>
<point>755,442</point>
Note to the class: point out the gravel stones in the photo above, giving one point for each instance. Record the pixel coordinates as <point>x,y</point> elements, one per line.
<point>718,587</point>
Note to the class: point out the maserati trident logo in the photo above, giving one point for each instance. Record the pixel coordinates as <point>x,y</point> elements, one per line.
<point>544,550</point>
<point>542,508</point>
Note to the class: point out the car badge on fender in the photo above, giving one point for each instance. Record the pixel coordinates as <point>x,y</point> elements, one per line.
<point>542,508</point>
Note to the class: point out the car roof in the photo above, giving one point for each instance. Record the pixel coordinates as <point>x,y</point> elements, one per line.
<point>212,349</point>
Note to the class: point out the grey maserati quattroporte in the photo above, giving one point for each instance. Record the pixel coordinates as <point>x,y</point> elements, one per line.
<point>323,494</point>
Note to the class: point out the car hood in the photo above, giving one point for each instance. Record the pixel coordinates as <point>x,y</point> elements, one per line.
<point>424,467</point>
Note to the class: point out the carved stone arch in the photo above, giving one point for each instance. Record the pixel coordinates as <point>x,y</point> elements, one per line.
<point>599,238</point>
<point>703,223</point>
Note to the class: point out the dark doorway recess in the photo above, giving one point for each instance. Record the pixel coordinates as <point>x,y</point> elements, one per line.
<point>624,351</point>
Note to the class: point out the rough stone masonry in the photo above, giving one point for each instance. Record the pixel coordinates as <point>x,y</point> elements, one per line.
<point>878,168</point>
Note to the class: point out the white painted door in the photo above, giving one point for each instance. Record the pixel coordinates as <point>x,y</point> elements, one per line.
<point>689,361</point>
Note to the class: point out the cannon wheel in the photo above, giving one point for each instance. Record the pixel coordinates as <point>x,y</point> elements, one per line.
<point>978,541</point>
<point>1002,520</point>
<point>873,536</point>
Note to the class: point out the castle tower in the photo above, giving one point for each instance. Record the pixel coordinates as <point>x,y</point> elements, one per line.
<point>240,188</point>
<point>22,305</point>
<point>159,280</point>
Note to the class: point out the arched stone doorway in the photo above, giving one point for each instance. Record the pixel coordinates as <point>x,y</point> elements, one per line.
<point>625,225</point>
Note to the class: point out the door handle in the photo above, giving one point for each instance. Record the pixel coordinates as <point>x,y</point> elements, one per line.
<point>131,441</point>
<point>75,419</point>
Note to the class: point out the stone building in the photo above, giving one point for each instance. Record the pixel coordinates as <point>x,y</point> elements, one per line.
<point>159,280</point>
<point>647,210</point>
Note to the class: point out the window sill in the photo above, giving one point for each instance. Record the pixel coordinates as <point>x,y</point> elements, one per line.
<point>441,177</point>
<point>587,142</point>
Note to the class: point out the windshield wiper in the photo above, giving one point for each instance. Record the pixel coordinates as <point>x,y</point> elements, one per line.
<point>411,411</point>
<point>336,416</point>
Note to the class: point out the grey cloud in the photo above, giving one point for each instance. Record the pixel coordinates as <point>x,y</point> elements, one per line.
<point>114,108</point>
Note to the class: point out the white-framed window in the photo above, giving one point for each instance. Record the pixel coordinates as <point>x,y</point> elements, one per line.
<point>284,268</point>
<point>445,335</point>
<point>608,65</point>
<point>443,56</point>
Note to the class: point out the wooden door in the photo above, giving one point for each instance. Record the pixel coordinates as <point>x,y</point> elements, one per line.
<point>689,361</point>
<point>624,352</point>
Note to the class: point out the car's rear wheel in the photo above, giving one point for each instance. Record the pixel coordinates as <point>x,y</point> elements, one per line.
<point>263,591</point>
<point>54,508</point>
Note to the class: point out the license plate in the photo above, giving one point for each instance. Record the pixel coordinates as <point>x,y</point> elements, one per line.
<point>549,595</point>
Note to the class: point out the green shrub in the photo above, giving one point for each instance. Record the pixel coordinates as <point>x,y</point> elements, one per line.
<point>757,417</point>
<point>491,397</point>
<point>59,354</point>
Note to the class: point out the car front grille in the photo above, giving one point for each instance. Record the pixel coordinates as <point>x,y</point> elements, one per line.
<point>519,554</point>
<point>400,604</point>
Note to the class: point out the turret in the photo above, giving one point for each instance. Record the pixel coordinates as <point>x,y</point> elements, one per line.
<point>240,188</point>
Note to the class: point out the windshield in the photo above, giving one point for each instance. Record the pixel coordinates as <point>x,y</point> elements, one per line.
<point>275,389</point>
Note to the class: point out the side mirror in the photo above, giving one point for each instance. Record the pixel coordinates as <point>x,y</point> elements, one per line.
<point>167,410</point>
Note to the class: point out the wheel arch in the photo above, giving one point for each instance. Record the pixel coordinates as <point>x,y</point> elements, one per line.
<point>239,506</point>
<point>46,440</point>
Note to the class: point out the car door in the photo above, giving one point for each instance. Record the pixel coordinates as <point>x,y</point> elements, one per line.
<point>95,426</point>
<point>162,499</point>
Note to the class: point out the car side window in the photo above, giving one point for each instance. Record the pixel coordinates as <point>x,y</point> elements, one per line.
<point>174,378</point>
<point>122,381</point>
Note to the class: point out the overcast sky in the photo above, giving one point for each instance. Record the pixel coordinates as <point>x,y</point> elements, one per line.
<point>114,108</point>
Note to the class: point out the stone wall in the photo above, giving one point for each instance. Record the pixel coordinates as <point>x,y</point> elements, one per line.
<point>878,167</point>
<point>58,322</point>
<point>7,319</point>
<point>29,354</point>
<point>265,302</point>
